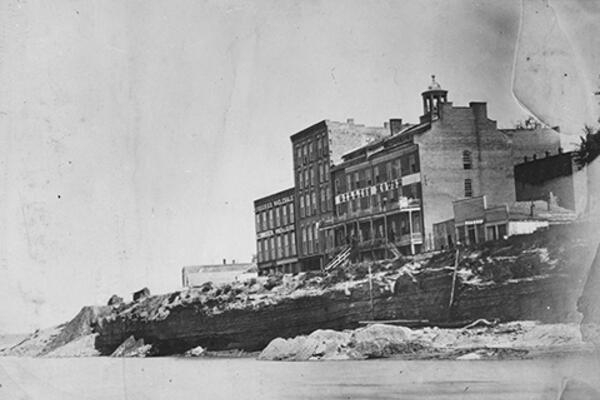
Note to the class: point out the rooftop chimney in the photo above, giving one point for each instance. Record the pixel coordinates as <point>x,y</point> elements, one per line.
<point>395,125</point>
<point>350,121</point>
<point>479,110</point>
<point>224,261</point>
<point>386,125</point>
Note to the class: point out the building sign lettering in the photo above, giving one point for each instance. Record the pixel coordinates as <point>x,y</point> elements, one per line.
<point>378,188</point>
<point>275,203</point>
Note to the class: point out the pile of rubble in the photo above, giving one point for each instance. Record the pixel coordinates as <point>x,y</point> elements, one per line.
<point>520,339</point>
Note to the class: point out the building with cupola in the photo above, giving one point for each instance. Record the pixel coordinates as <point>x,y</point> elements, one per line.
<point>373,192</point>
<point>389,194</point>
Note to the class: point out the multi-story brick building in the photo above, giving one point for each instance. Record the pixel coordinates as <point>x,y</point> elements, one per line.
<point>394,190</point>
<point>382,189</point>
<point>316,150</point>
<point>275,233</point>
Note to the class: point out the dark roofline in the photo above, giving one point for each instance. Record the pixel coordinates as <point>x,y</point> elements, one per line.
<point>282,193</point>
<point>570,154</point>
<point>297,135</point>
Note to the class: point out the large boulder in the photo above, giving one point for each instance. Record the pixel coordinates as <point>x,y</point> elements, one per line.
<point>319,345</point>
<point>379,340</point>
<point>197,351</point>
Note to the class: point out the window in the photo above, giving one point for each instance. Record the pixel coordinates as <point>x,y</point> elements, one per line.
<point>349,182</point>
<point>291,213</point>
<point>293,244</point>
<point>414,167</point>
<point>467,162</point>
<point>376,173</point>
<point>468,188</point>
<point>327,198</point>
<point>314,202</point>
<point>305,154</point>
<point>286,246</point>
<point>356,180</point>
<point>306,181</point>
<point>312,175</point>
<point>319,141</point>
<point>368,176</point>
<point>471,235</point>
<point>272,244</point>
<point>321,173</point>
<point>491,233</point>
<point>407,191</point>
<point>257,222</point>
<point>316,236</point>
<point>304,240</point>
<point>284,220</point>
<point>279,249</point>
<point>271,221</point>
<point>307,203</point>
<point>501,231</point>
<point>325,172</point>
<point>396,169</point>
<point>277,217</point>
<point>383,172</point>
<point>310,239</point>
<point>301,206</point>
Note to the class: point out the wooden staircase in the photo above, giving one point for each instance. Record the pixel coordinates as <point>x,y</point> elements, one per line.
<point>392,247</point>
<point>339,259</point>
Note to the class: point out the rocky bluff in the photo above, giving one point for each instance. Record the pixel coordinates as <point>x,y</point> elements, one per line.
<point>534,277</point>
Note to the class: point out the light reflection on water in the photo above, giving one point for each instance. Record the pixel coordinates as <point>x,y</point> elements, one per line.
<point>174,378</point>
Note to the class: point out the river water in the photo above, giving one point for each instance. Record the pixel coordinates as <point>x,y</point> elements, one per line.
<point>201,378</point>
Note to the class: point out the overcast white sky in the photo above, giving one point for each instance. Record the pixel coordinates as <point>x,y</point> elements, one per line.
<point>136,134</point>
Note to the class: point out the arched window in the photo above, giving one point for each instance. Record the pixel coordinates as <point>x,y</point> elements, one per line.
<point>467,162</point>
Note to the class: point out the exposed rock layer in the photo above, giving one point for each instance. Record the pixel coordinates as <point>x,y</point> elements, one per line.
<point>536,277</point>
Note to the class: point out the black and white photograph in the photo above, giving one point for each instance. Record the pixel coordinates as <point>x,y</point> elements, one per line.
<point>299,199</point>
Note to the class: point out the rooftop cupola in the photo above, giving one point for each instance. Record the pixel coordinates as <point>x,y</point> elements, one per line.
<point>433,98</point>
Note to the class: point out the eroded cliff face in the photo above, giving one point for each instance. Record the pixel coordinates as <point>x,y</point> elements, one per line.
<point>539,277</point>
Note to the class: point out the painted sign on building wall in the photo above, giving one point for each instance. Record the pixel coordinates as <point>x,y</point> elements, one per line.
<point>378,188</point>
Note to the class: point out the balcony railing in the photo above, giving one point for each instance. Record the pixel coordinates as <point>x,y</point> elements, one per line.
<point>411,204</point>
<point>377,243</point>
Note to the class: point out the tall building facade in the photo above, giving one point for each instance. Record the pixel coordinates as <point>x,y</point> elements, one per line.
<point>275,223</point>
<point>391,192</point>
<point>380,190</point>
<point>316,150</point>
